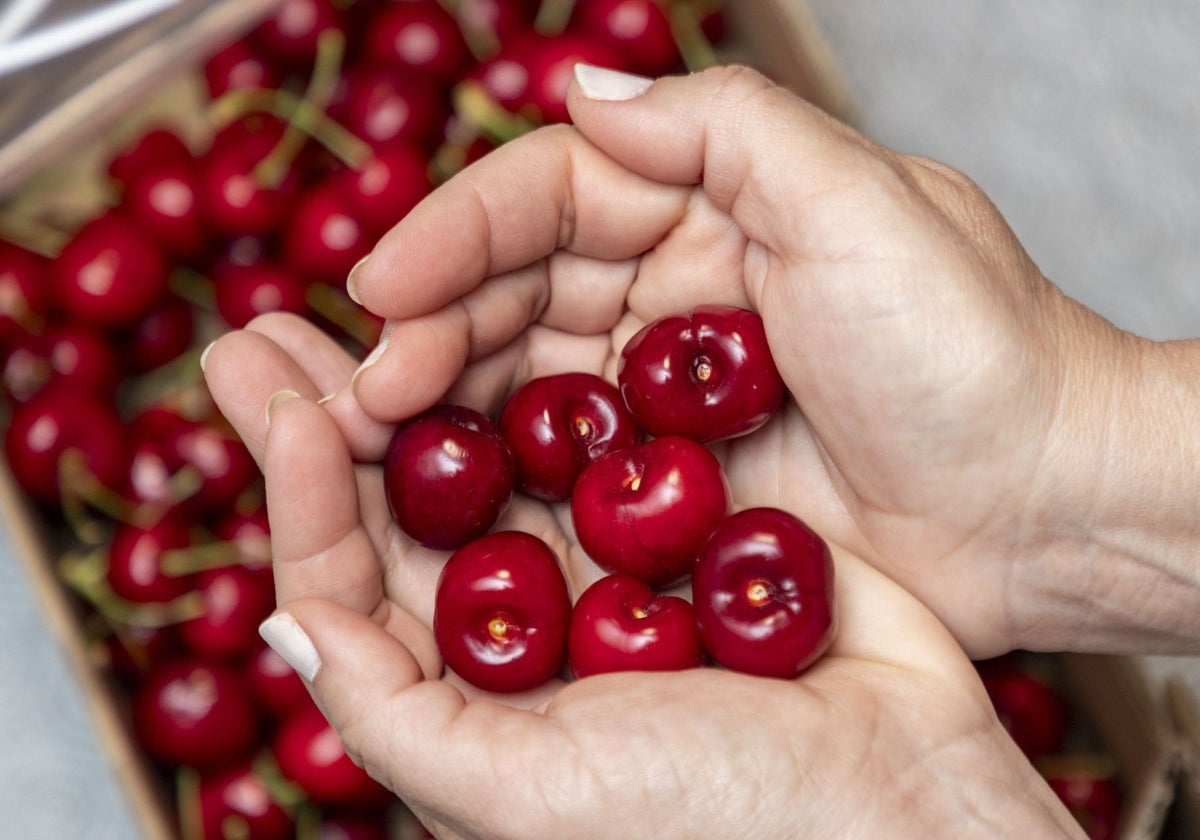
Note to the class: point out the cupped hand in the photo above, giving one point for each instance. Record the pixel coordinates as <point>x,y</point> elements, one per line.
<point>861,745</point>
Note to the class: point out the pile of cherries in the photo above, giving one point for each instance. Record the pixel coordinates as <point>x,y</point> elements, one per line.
<point>650,512</point>
<point>324,125</point>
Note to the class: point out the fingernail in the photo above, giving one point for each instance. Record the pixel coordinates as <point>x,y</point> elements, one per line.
<point>287,638</point>
<point>277,398</point>
<point>374,355</point>
<point>326,398</point>
<point>352,280</point>
<point>204,355</point>
<point>609,85</point>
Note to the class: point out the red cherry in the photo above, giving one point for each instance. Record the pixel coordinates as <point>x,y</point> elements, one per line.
<point>310,754</point>
<point>54,422</point>
<point>81,359</point>
<point>706,375</point>
<point>763,594</point>
<point>224,464</point>
<point>290,34</point>
<point>194,713</point>
<point>551,64</point>
<point>243,292</point>
<point>236,802</point>
<point>158,148</point>
<point>353,826</point>
<point>239,66</point>
<point>236,601</point>
<point>501,611</point>
<point>165,203</point>
<point>109,274</point>
<point>250,531</point>
<point>323,237</point>
<point>386,187</point>
<point>448,474</point>
<point>647,511</point>
<point>386,107</point>
<point>501,20</point>
<point>161,336</point>
<point>638,30</point>
<point>23,294</point>
<point>418,35</point>
<point>235,199</point>
<point>1088,785</point>
<point>1034,713</point>
<point>557,425</point>
<point>621,624</point>
<point>135,561</point>
<point>274,685</point>
<point>135,650</point>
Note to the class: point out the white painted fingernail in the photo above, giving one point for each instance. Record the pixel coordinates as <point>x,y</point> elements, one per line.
<point>372,357</point>
<point>277,398</point>
<point>287,638</point>
<point>352,280</point>
<point>204,355</point>
<point>609,85</point>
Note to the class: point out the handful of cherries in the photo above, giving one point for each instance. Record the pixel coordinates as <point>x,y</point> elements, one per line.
<point>651,513</point>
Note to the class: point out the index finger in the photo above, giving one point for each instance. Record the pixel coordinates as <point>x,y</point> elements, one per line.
<point>549,190</point>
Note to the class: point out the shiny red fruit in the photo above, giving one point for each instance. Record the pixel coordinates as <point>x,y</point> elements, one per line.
<point>136,571</point>
<point>1031,710</point>
<point>109,274</point>
<point>387,107</point>
<point>290,35</point>
<point>551,65</point>
<point>621,624</point>
<point>496,20</point>
<point>194,713</point>
<point>165,204</point>
<point>81,359</point>
<point>323,237</point>
<point>54,422</point>
<point>243,292</point>
<point>236,600</point>
<point>274,684</point>
<point>639,30</point>
<point>161,336</point>
<point>237,802</point>
<point>235,197</point>
<point>557,425</point>
<point>448,474</point>
<point>239,66</point>
<point>1088,785</point>
<point>159,148</point>
<point>763,594</point>
<point>705,375</point>
<point>647,511</point>
<point>310,754</point>
<point>382,191</point>
<point>501,611</point>
<point>417,36</point>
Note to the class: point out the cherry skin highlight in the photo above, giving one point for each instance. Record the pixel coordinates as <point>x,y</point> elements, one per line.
<point>448,475</point>
<point>557,425</point>
<point>621,624</point>
<point>763,594</point>
<point>501,611</point>
<point>647,511</point>
<point>705,375</point>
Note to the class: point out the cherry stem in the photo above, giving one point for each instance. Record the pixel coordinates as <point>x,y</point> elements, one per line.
<point>86,575</point>
<point>176,377</point>
<point>187,800</point>
<point>337,307</point>
<point>81,490</point>
<point>476,107</point>
<point>286,793</point>
<point>553,16</point>
<point>692,43</point>
<point>235,827</point>
<point>179,562</point>
<point>194,287</point>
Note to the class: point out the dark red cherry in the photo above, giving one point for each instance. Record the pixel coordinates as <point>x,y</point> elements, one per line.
<point>290,35</point>
<point>162,335</point>
<point>382,191</point>
<point>551,64</point>
<point>23,291</point>
<point>136,570</point>
<point>237,802</point>
<point>57,421</point>
<point>1089,785</point>
<point>81,358</point>
<point>109,274</point>
<point>704,375</point>
<point>496,20</point>
<point>236,600</point>
<point>323,237</point>
<point>243,292</point>
<point>131,651</point>
<point>274,684</point>
<point>250,533</point>
<point>239,66</point>
<point>236,198</point>
<point>763,594</point>
<point>165,203</point>
<point>386,107</point>
<point>557,425</point>
<point>647,511</point>
<point>448,474</point>
<point>158,148</point>
<point>219,457</point>
<point>419,36</point>
<point>194,713</point>
<point>310,755</point>
<point>1032,710</point>
<point>621,624</point>
<point>638,30</point>
<point>500,613</point>
<point>359,826</point>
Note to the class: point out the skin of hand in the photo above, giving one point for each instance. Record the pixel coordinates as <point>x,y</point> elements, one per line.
<point>861,745</point>
<point>1025,468</point>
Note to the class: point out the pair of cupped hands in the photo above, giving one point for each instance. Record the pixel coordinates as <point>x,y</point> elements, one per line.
<point>936,435</point>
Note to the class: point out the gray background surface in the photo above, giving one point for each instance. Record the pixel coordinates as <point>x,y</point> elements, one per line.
<point>1080,119</point>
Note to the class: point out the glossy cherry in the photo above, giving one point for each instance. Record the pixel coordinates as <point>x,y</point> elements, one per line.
<point>236,600</point>
<point>382,191</point>
<point>1030,708</point>
<point>706,375</point>
<point>162,335</point>
<point>109,274</point>
<point>385,106</point>
<point>448,474</point>
<point>194,713</point>
<point>81,358</point>
<point>497,21</point>
<point>417,36</point>
<point>244,292</point>
<point>289,36</point>
<point>236,802</point>
<point>550,63</point>
<point>1089,786</point>
<point>136,571</point>
<point>56,421</point>
<point>638,30</point>
<point>158,148</point>
<point>274,685</point>
<point>501,611</point>
<point>559,424</point>
<point>647,511</point>
<point>165,203</point>
<point>239,66</point>
<point>763,594</point>
<point>310,754</point>
<point>323,237</point>
<point>621,624</point>
<point>235,198</point>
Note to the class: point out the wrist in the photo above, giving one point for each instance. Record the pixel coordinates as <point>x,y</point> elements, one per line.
<point>1116,528</point>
